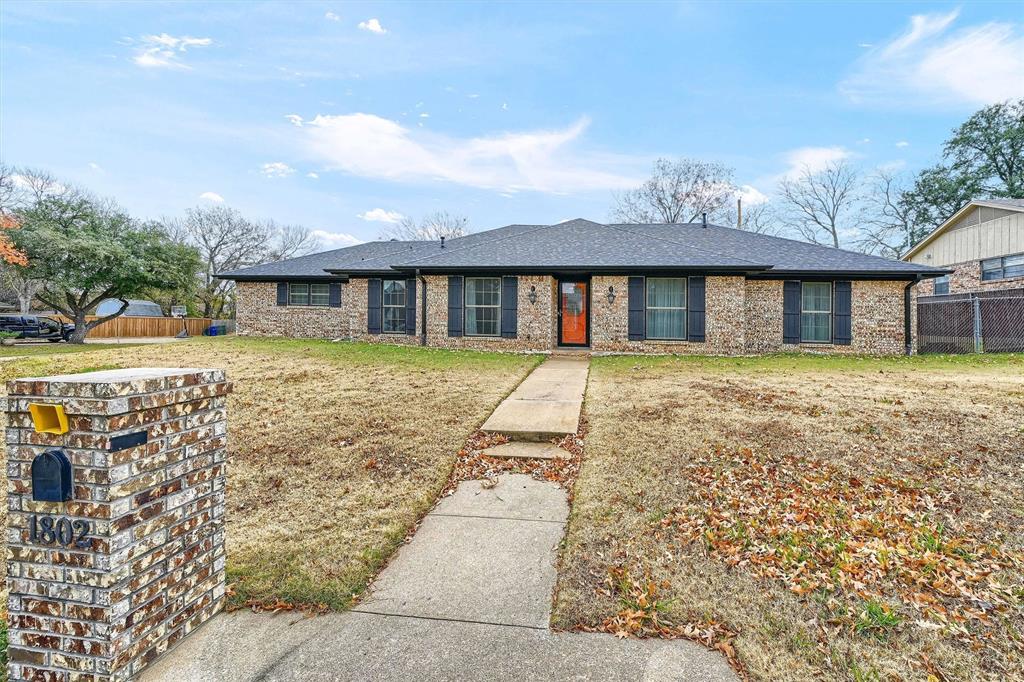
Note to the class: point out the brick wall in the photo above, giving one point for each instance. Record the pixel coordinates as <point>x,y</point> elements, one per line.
<point>876,316</point>
<point>536,322</point>
<point>150,568</point>
<point>966,278</point>
<point>742,316</point>
<point>724,331</point>
<point>259,315</point>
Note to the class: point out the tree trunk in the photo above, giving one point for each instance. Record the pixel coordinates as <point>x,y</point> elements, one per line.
<point>81,328</point>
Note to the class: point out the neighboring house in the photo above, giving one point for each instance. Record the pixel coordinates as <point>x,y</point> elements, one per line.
<point>982,243</point>
<point>136,308</point>
<point>690,288</point>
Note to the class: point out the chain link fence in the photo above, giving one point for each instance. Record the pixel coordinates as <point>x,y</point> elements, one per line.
<point>983,322</point>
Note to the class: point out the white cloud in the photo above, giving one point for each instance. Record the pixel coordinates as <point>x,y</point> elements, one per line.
<point>424,115</point>
<point>331,16</point>
<point>95,166</point>
<point>751,195</point>
<point>542,160</point>
<point>379,215</point>
<point>864,140</point>
<point>277,169</point>
<point>294,119</point>
<point>336,240</point>
<point>373,26</point>
<point>932,63</point>
<point>165,51</point>
<point>314,176</point>
<point>813,159</point>
<point>212,196</point>
<point>902,143</point>
<point>865,45</point>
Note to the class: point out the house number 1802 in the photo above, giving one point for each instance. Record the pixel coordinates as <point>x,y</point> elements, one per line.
<point>59,530</point>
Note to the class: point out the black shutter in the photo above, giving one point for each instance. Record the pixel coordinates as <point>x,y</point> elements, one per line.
<point>695,310</point>
<point>637,309</point>
<point>282,293</point>
<point>791,296</point>
<point>509,306</point>
<point>373,306</point>
<point>455,304</point>
<point>842,304</point>
<point>410,307</point>
<point>335,297</point>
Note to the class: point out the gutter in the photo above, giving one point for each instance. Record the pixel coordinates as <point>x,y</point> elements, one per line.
<point>907,331</point>
<point>423,305</point>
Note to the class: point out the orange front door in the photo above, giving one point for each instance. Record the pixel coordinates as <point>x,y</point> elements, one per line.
<point>572,307</point>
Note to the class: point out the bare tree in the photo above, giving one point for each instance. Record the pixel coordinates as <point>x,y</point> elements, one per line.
<point>679,192</point>
<point>226,240</point>
<point>433,226</point>
<point>760,218</point>
<point>290,241</point>
<point>822,203</point>
<point>889,225</point>
<point>20,190</point>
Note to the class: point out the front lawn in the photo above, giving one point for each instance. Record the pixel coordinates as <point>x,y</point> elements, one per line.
<point>335,449</point>
<point>837,518</point>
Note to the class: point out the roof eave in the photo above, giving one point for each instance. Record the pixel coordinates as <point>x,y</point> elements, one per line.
<point>600,269</point>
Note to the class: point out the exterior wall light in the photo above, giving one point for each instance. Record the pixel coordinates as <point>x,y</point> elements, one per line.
<point>533,294</point>
<point>611,295</point>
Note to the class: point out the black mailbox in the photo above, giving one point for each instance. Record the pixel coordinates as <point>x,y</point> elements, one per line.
<point>51,477</point>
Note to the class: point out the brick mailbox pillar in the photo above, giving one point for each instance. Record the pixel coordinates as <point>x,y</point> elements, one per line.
<point>115,521</point>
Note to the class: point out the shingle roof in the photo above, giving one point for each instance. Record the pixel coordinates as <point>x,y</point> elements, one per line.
<point>1009,203</point>
<point>588,246</point>
<point>351,258</point>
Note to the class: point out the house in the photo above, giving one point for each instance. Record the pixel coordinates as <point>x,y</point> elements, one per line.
<point>137,307</point>
<point>683,288</point>
<point>983,245</point>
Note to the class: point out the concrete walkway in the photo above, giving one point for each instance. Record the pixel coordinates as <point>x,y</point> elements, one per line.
<point>468,598</point>
<point>546,405</point>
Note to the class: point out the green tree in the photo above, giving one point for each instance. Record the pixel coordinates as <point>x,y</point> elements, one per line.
<point>983,158</point>
<point>83,250</point>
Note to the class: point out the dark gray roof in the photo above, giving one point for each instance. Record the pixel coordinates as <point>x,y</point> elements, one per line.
<point>576,245</point>
<point>582,245</point>
<point>784,255</point>
<point>361,257</point>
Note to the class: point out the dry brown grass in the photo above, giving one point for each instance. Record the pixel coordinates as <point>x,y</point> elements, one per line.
<point>335,449</point>
<point>847,518</point>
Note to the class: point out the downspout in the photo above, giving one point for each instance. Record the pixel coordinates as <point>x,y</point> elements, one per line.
<point>907,331</point>
<point>423,307</point>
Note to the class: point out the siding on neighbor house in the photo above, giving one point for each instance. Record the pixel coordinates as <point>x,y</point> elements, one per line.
<point>966,278</point>
<point>741,317</point>
<point>983,233</point>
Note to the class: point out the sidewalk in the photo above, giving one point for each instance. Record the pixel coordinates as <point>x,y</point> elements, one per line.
<point>546,405</point>
<point>469,598</point>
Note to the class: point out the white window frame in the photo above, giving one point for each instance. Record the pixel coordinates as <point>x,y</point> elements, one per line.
<point>466,306</point>
<point>830,312</point>
<point>384,306</point>
<point>1000,267</point>
<point>307,294</point>
<point>684,308</point>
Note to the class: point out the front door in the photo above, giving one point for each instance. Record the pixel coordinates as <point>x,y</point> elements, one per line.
<point>573,313</point>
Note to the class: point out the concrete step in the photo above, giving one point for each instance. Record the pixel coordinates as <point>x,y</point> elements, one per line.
<point>525,450</point>
<point>546,405</point>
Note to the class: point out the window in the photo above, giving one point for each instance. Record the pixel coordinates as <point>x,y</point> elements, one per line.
<point>666,308</point>
<point>483,306</point>
<point>1002,268</point>
<point>394,306</point>
<point>309,294</point>
<point>816,312</point>
<point>942,285</point>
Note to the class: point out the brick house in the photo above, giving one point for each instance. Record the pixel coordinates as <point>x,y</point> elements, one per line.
<point>684,288</point>
<point>983,245</point>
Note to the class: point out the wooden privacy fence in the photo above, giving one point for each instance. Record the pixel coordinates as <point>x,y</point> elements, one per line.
<point>983,322</point>
<point>125,326</point>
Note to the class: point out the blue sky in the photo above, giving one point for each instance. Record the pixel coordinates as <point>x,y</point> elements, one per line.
<point>342,116</point>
